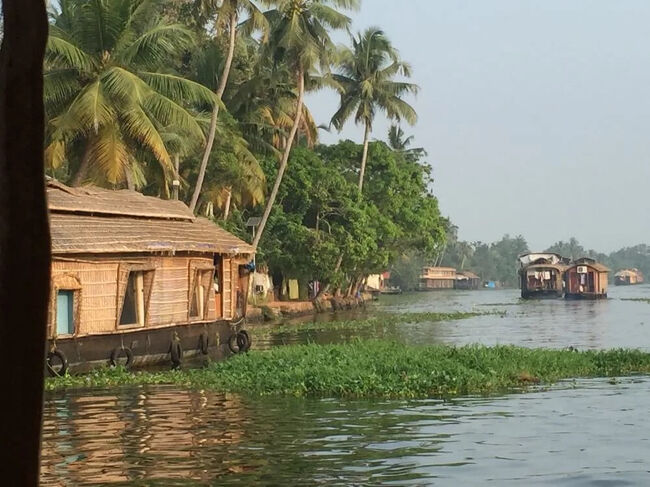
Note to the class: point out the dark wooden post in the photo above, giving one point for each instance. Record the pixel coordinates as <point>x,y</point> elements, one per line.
<point>24,240</point>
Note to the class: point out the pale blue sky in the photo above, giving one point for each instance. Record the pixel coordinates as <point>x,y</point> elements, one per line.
<point>535,114</point>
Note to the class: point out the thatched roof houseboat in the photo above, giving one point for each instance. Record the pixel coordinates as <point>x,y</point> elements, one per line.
<point>435,278</point>
<point>586,279</point>
<point>139,279</point>
<point>467,280</point>
<point>541,275</point>
<point>628,277</point>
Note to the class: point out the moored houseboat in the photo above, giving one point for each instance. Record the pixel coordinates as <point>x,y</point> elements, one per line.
<point>586,279</point>
<point>140,280</point>
<point>541,275</point>
<point>628,277</point>
<point>436,278</point>
<point>467,280</point>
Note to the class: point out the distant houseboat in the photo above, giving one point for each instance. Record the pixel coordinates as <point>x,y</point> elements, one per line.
<point>435,278</point>
<point>586,279</point>
<point>467,280</point>
<point>137,280</point>
<point>541,275</point>
<point>628,277</point>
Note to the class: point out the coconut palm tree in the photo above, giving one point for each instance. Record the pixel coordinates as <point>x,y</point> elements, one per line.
<point>265,107</point>
<point>366,75</point>
<point>109,90</point>
<point>299,38</point>
<point>398,143</point>
<point>226,14</point>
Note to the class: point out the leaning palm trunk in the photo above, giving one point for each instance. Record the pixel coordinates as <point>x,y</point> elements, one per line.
<point>226,211</point>
<point>82,173</point>
<point>285,159</point>
<point>364,157</point>
<point>215,112</point>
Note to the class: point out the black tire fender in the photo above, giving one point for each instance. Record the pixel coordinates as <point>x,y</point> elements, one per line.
<point>244,341</point>
<point>62,358</point>
<point>176,352</point>
<point>204,343</point>
<point>117,352</point>
<point>232,343</point>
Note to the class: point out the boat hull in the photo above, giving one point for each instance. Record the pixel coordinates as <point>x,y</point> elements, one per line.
<point>543,294</point>
<point>585,296</point>
<point>149,347</point>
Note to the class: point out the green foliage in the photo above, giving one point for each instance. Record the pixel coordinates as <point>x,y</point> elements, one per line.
<point>366,76</point>
<point>382,369</point>
<point>111,89</point>
<point>320,217</point>
<point>494,262</point>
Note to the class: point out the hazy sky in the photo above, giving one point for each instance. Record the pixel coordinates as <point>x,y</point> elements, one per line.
<point>535,114</point>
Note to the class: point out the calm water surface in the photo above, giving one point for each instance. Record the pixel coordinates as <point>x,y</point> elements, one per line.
<point>588,432</point>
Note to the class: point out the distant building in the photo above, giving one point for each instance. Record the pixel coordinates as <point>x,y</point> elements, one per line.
<point>433,278</point>
<point>628,277</point>
<point>467,280</point>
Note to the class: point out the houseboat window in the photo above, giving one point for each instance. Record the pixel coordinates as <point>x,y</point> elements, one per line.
<point>65,324</point>
<point>199,294</point>
<point>133,306</point>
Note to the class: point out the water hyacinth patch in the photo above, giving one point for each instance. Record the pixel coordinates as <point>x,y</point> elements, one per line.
<point>382,369</point>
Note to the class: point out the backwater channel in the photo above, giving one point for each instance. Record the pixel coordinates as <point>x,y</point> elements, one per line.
<point>577,433</point>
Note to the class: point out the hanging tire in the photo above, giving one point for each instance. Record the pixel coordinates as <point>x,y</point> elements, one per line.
<point>176,353</point>
<point>244,341</point>
<point>204,343</point>
<point>239,342</point>
<point>117,353</point>
<point>60,356</point>
<point>232,343</point>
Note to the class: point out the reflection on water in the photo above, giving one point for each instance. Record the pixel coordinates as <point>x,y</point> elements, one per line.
<point>588,433</point>
<point>167,436</point>
<point>555,323</point>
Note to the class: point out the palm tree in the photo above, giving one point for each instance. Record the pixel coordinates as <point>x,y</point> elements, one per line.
<point>299,38</point>
<point>366,76</point>
<point>226,15</point>
<point>107,89</point>
<point>398,143</point>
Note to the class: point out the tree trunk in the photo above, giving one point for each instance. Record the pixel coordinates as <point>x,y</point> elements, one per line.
<point>129,180</point>
<point>176,183</point>
<point>82,173</point>
<point>24,239</point>
<point>364,157</point>
<point>226,211</point>
<point>215,112</point>
<point>285,159</point>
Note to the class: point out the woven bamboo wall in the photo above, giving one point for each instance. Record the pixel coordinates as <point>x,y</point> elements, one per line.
<point>170,293</point>
<point>98,293</point>
<point>169,303</point>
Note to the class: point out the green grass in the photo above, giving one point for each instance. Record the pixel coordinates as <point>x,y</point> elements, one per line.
<point>381,369</point>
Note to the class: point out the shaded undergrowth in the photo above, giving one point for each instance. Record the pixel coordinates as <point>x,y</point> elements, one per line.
<point>381,369</point>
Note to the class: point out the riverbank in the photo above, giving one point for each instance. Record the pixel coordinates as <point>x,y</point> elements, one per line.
<point>273,310</point>
<point>381,369</point>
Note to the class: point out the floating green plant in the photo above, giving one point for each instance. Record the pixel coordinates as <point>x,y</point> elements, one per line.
<point>381,369</point>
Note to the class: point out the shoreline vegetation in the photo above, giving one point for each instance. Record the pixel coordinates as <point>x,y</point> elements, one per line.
<point>380,369</point>
<point>377,321</point>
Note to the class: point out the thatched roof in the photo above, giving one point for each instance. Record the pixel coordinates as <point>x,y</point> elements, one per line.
<point>100,201</point>
<point>590,263</point>
<point>92,221</point>
<point>467,274</point>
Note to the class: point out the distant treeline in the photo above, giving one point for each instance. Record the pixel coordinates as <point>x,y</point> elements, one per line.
<point>497,261</point>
